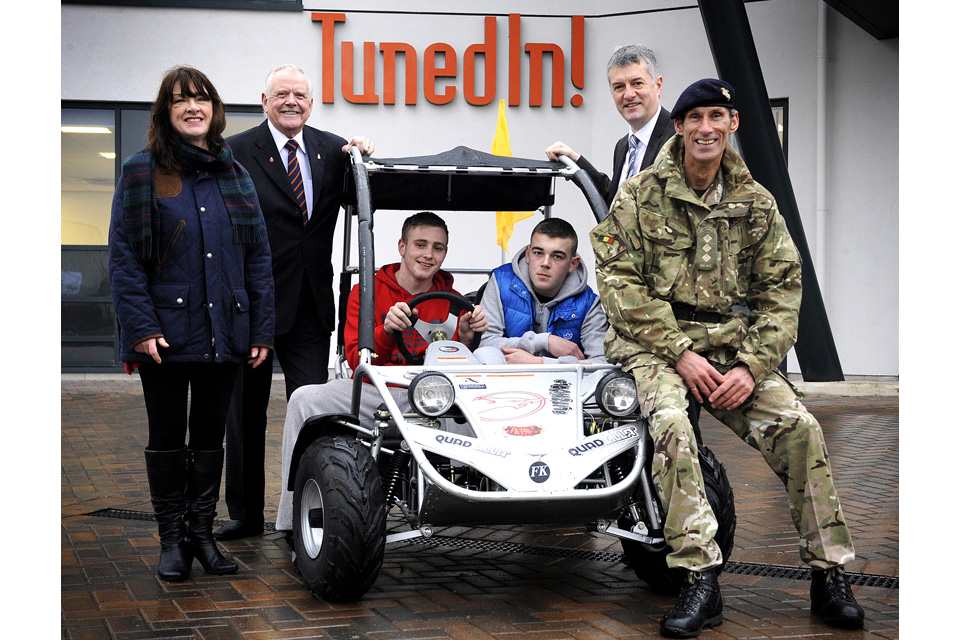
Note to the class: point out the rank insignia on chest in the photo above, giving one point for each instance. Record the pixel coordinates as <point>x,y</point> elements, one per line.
<point>706,249</point>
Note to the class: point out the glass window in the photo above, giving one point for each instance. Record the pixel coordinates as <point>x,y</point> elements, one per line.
<point>88,326</point>
<point>779,107</point>
<point>87,174</point>
<point>781,112</point>
<point>238,122</point>
<point>134,124</point>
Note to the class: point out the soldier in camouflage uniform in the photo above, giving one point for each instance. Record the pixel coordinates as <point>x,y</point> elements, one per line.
<point>701,283</point>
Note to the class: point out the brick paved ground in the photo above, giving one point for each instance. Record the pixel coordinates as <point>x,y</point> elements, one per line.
<point>109,588</point>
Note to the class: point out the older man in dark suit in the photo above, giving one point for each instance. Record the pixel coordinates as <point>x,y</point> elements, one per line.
<point>298,172</point>
<point>635,84</point>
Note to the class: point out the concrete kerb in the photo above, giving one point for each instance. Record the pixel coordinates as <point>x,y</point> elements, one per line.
<point>853,387</point>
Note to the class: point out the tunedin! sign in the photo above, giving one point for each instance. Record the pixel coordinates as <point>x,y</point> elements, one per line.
<point>440,68</point>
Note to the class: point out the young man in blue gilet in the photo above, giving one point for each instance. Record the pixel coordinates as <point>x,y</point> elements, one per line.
<point>539,307</point>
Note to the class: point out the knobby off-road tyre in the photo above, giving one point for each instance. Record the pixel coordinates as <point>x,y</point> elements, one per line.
<point>650,563</point>
<point>339,518</point>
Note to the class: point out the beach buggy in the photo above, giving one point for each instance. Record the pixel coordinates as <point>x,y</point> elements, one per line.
<point>484,444</point>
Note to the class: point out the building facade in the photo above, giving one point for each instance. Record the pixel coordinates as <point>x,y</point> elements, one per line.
<point>421,77</point>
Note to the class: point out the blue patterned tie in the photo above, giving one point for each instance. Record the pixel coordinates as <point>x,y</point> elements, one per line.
<point>296,179</point>
<point>634,157</point>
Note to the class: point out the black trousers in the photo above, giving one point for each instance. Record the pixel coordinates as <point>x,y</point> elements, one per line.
<point>186,396</point>
<point>303,353</point>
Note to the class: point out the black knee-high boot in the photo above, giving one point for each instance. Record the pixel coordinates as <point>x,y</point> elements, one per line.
<point>203,491</point>
<point>167,474</point>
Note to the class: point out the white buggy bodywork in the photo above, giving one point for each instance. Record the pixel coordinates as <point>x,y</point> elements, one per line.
<point>538,455</point>
<point>479,444</point>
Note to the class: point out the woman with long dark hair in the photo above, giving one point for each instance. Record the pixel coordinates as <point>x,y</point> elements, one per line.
<point>193,291</point>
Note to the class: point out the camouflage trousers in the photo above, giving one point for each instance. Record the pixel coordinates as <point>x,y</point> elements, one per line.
<point>774,422</point>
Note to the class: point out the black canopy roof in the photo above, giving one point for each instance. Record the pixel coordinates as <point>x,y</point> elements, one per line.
<point>464,157</point>
<point>461,179</point>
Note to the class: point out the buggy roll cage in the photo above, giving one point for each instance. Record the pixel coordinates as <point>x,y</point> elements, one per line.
<point>461,179</point>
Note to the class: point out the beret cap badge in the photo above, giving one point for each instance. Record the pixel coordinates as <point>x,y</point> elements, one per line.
<point>709,92</point>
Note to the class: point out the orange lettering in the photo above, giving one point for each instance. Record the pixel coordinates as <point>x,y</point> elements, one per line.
<point>440,68</point>
<point>516,49</point>
<point>537,51</point>
<point>327,22</point>
<point>431,72</point>
<point>390,51</point>
<point>489,52</point>
<point>576,58</point>
<point>369,95</point>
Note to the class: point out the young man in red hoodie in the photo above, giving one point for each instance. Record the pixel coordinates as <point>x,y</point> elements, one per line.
<point>423,248</point>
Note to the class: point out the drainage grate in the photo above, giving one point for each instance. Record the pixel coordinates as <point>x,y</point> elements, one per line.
<point>735,568</point>
<point>123,514</point>
<point>515,547</point>
<point>147,516</point>
<point>803,573</point>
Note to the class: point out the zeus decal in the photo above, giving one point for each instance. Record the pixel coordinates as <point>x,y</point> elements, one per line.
<point>560,397</point>
<point>439,66</point>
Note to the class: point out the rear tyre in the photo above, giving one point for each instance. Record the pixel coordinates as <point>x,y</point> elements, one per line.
<point>339,518</point>
<point>650,562</point>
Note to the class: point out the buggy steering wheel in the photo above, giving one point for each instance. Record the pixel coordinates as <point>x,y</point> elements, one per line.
<point>433,331</point>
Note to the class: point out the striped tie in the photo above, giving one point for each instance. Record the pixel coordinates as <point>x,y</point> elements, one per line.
<point>293,172</point>
<point>634,158</point>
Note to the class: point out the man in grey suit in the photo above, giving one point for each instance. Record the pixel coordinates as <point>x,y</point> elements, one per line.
<point>298,172</point>
<point>635,84</point>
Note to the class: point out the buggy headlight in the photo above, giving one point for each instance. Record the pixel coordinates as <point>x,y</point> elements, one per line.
<point>431,394</point>
<point>617,395</point>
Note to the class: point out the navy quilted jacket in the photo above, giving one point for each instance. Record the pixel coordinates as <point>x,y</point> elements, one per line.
<point>210,298</point>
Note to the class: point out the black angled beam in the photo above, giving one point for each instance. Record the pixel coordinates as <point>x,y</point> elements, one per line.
<point>735,55</point>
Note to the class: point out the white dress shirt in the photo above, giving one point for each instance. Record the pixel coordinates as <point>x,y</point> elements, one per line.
<point>643,139</point>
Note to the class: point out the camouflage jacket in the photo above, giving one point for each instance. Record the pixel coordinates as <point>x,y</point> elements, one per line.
<point>728,253</point>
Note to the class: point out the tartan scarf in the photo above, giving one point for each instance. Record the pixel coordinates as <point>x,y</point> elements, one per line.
<point>141,217</point>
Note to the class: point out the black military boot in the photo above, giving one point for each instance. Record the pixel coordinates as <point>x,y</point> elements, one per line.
<point>203,491</point>
<point>167,475</point>
<point>832,599</point>
<point>700,606</point>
